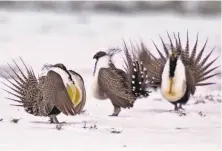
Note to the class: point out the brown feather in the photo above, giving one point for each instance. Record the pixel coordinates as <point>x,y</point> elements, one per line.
<point>58,94</point>
<point>165,48</point>
<point>201,52</point>
<point>186,57</point>
<point>193,54</point>
<point>210,76</point>
<point>114,85</point>
<point>206,58</point>
<point>161,55</point>
<point>204,84</point>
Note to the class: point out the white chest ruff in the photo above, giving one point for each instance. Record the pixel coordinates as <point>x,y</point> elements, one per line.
<point>103,62</point>
<point>175,90</point>
<point>62,73</point>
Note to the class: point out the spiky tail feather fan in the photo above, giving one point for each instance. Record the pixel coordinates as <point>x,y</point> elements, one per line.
<point>24,89</point>
<point>192,62</point>
<point>136,72</point>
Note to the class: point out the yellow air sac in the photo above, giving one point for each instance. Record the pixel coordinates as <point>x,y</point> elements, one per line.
<point>74,94</point>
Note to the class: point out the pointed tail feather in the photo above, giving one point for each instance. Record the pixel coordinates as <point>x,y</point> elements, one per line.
<point>209,71</point>
<point>15,90</point>
<point>208,77</point>
<point>20,70</point>
<point>204,84</point>
<point>208,65</point>
<point>24,87</point>
<point>165,48</point>
<point>171,43</point>
<point>201,53</point>
<point>18,82</point>
<point>206,58</point>
<point>136,71</point>
<point>161,55</point>
<point>193,54</point>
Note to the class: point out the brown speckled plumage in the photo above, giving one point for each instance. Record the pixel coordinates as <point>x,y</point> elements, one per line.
<point>196,70</point>
<point>122,87</point>
<point>46,96</point>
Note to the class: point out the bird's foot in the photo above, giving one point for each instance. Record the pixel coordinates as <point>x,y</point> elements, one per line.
<point>180,112</point>
<point>181,108</point>
<point>51,120</point>
<point>62,122</point>
<point>146,93</point>
<point>116,111</point>
<point>114,114</point>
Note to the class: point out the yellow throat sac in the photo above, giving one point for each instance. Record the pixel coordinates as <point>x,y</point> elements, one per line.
<point>171,84</point>
<point>74,94</point>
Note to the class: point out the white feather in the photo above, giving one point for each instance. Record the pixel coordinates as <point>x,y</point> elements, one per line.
<point>62,73</point>
<point>179,82</point>
<point>65,78</point>
<point>102,62</point>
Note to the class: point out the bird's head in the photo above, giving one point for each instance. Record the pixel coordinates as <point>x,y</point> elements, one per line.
<point>99,54</point>
<point>60,65</point>
<point>110,53</point>
<point>174,56</point>
<point>105,57</point>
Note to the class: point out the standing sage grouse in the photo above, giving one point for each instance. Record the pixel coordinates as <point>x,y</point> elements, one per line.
<point>179,72</point>
<point>122,88</point>
<point>56,90</point>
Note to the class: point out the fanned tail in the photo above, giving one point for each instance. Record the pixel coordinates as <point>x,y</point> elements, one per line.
<point>201,69</point>
<point>199,65</point>
<point>24,88</point>
<point>136,72</point>
<point>154,65</point>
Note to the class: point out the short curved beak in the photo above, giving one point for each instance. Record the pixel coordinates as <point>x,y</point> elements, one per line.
<point>94,57</point>
<point>94,71</point>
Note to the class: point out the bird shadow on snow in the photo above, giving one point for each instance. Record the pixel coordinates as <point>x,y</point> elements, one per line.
<point>158,110</point>
<point>62,122</point>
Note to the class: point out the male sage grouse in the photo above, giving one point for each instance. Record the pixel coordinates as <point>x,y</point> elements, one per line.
<point>122,88</point>
<point>56,90</point>
<point>179,71</point>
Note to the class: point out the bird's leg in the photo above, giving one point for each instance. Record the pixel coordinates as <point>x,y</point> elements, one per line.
<point>55,119</point>
<point>175,107</point>
<point>180,107</point>
<point>116,111</point>
<point>51,119</point>
<point>179,110</point>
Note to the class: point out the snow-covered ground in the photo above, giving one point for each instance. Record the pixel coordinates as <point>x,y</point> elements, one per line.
<point>41,38</point>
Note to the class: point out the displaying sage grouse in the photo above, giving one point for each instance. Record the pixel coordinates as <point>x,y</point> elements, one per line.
<point>56,90</point>
<point>122,88</point>
<point>178,72</point>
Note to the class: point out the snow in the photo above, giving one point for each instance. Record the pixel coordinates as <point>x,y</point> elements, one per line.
<point>73,39</point>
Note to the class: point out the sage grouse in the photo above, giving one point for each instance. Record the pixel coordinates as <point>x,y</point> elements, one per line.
<point>122,88</point>
<point>179,71</point>
<point>56,90</point>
